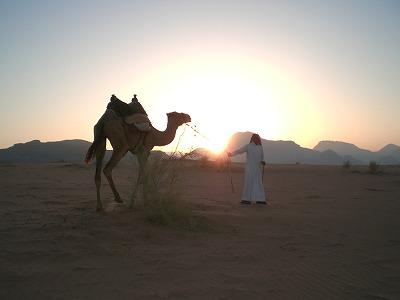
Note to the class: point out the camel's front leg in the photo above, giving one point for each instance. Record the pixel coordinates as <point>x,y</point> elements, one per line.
<point>142,159</point>
<point>97,179</point>
<point>100,152</point>
<point>135,190</point>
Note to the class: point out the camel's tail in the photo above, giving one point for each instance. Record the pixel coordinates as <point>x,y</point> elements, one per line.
<point>90,153</point>
<point>98,136</point>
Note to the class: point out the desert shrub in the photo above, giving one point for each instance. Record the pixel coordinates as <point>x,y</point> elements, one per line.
<point>204,160</point>
<point>222,162</point>
<point>165,209</point>
<point>164,201</point>
<point>373,167</point>
<point>346,165</point>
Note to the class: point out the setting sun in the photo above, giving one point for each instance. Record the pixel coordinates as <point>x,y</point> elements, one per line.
<point>226,95</point>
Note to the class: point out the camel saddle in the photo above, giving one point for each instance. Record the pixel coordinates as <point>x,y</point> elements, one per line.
<point>134,119</point>
<point>140,121</point>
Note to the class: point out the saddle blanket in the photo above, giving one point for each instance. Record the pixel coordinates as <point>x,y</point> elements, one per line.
<point>141,121</point>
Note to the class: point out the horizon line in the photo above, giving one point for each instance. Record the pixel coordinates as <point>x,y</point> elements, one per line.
<point>239,132</point>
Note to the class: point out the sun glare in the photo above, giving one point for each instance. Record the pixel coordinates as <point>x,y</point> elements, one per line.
<point>224,96</point>
<point>222,102</point>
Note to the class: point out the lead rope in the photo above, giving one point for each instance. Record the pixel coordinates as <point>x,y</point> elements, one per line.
<point>226,152</point>
<point>176,147</point>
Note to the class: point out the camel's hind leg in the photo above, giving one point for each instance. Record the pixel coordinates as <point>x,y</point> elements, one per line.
<point>117,155</point>
<point>100,151</point>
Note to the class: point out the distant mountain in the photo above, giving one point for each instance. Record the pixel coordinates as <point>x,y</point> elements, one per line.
<point>389,154</point>
<point>60,151</point>
<point>284,152</point>
<point>278,152</point>
<point>330,157</point>
<point>390,150</point>
<point>36,151</point>
<point>325,153</point>
<point>199,153</point>
<point>343,148</point>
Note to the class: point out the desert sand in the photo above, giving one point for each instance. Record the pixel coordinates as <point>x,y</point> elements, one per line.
<point>327,234</point>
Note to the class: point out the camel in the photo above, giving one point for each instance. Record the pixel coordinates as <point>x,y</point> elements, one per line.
<point>123,140</point>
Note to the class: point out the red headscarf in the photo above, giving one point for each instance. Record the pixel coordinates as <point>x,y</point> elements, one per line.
<point>255,138</point>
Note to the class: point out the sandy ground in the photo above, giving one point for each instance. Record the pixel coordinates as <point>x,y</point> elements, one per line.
<point>328,234</point>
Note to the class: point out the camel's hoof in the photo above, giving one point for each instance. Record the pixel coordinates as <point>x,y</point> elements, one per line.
<point>99,209</point>
<point>118,200</point>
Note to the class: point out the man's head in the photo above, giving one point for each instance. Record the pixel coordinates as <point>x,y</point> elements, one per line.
<point>255,138</point>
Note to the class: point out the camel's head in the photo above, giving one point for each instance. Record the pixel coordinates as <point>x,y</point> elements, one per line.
<point>178,118</point>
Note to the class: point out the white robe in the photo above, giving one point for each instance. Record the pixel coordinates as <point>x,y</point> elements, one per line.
<point>253,189</point>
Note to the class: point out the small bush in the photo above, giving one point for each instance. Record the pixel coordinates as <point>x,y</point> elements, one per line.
<point>373,167</point>
<point>346,165</point>
<point>204,159</point>
<point>164,203</point>
<point>165,209</point>
<point>222,163</point>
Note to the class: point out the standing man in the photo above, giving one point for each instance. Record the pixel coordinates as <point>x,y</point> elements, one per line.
<point>253,190</point>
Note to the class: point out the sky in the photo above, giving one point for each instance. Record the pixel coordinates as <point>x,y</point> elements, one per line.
<point>289,70</point>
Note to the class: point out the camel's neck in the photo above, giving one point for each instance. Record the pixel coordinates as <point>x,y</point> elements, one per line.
<point>162,138</point>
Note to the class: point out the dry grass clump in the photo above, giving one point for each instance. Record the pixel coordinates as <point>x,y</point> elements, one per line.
<point>204,160</point>
<point>373,167</point>
<point>164,200</point>
<point>346,165</point>
<point>223,162</point>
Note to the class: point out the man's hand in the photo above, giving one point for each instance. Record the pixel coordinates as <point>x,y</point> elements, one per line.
<point>229,154</point>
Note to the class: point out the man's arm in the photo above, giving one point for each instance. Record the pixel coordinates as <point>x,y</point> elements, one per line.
<point>239,151</point>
